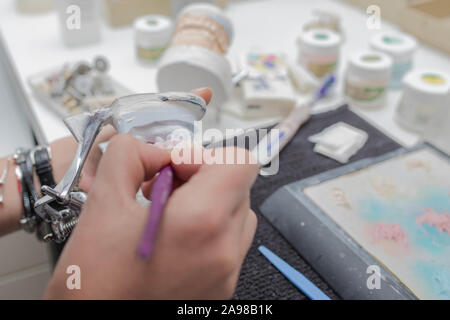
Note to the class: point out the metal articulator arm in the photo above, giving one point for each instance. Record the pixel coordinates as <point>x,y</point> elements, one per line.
<point>85,128</point>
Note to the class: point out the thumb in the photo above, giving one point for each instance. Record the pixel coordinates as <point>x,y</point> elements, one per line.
<point>126,164</point>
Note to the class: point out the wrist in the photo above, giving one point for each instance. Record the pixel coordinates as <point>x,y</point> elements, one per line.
<point>57,290</point>
<point>11,208</point>
<point>63,151</point>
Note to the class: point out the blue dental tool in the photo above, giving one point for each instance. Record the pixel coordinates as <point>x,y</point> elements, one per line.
<point>294,276</point>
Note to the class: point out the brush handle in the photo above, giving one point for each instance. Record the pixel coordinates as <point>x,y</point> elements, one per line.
<point>161,190</point>
<point>287,130</point>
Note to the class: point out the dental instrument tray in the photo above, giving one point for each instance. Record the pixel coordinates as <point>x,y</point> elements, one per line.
<point>77,87</point>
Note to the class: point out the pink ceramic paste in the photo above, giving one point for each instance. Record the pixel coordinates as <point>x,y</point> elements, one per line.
<point>391,232</point>
<point>439,221</point>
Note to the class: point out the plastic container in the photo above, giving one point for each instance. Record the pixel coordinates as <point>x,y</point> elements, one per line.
<point>35,6</point>
<point>425,94</point>
<point>267,91</point>
<point>437,131</point>
<point>152,35</point>
<point>324,19</point>
<point>80,21</point>
<point>154,117</point>
<point>401,48</point>
<point>120,13</point>
<point>196,55</point>
<point>367,77</point>
<point>318,51</point>
<point>178,5</point>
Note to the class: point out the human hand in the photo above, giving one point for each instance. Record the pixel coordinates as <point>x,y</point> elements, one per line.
<point>204,235</point>
<point>63,152</point>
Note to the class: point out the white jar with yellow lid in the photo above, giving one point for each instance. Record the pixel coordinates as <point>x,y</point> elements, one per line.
<point>425,93</point>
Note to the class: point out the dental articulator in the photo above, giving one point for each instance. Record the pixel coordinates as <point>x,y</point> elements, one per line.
<point>159,117</point>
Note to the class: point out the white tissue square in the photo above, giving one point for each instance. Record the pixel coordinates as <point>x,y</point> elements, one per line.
<point>339,141</point>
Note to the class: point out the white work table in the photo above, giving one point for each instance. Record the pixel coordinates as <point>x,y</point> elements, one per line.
<point>272,25</point>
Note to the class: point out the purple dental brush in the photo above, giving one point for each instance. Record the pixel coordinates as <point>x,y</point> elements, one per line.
<point>161,190</point>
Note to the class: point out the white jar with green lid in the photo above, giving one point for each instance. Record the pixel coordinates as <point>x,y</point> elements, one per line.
<point>367,77</point>
<point>318,51</point>
<point>425,93</point>
<point>400,47</point>
<point>152,35</point>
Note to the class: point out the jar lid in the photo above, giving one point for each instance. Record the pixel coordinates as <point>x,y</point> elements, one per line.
<point>397,45</point>
<point>319,40</point>
<point>213,12</point>
<point>370,64</point>
<point>153,27</point>
<point>427,85</point>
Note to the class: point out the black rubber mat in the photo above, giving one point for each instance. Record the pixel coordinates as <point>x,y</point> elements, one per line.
<point>259,279</point>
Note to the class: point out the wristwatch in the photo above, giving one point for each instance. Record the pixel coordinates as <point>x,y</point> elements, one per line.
<point>41,159</point>
<point>27,160</point>
<point>24,173</point>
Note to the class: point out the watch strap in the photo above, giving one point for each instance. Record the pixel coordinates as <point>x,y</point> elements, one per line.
<point>24,172</point>
<point>43,166</point>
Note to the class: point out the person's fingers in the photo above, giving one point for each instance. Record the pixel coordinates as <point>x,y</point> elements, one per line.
<point>213,196</point>
<point>186,159</point>
<point>241,215</point>
<point>228,182</point>
<point>126,164</point>
<point>246,236</point>
<point>186,169</point>
<point>93,159</point>
<point>106,134</point>
<point>205,93</point>
<point>146,187</point>
<point>243,226</point>
<point>183,170</point>
<point>248,232</point>
<point>242,241</point>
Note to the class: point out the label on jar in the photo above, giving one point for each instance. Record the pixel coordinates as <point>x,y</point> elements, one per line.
<point>319,66</point>
<point>321,70</point>
<point>365,92</point>
<point>151,53</point>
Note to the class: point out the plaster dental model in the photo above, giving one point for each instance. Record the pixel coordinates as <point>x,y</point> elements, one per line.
<point>148,117</point>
